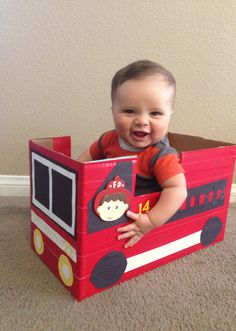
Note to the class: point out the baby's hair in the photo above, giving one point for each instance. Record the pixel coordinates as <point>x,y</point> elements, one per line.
<point>139,70</point>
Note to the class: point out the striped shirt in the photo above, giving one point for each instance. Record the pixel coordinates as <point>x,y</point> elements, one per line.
<point>155,163</point>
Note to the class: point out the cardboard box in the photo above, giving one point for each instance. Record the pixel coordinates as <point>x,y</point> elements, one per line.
<point>80,246</point>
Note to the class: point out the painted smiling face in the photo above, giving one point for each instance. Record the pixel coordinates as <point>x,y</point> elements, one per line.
<point>112,203</point>
<point>112,210</point>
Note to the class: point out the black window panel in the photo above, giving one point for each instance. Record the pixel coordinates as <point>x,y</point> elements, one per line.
<point>62,197</point>
<point>203,190</point>
<point>41,183</point>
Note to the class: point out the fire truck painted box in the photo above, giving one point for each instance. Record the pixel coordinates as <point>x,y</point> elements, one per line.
<point>76,236</point>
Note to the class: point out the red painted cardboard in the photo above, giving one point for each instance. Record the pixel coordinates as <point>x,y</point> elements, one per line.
<point>74,239</point>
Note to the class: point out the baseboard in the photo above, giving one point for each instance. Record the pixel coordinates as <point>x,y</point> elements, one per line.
<point>14,186</point>
<point>233,194</point>
<point>19,186</point>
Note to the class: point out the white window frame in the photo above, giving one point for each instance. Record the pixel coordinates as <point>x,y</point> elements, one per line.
<point>48,211</point>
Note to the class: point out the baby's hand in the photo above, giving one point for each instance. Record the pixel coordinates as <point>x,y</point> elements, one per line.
<point>137,229</point>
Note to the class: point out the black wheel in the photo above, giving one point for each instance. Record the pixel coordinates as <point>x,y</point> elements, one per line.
<point>108,270</point>
<point>211,230</point>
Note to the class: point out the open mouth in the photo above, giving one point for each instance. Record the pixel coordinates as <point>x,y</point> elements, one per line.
<point>140,134</point>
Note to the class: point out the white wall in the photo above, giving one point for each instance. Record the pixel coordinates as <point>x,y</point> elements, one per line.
<point>58,57</point>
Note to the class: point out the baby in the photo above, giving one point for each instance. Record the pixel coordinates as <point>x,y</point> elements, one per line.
<point>142,95</point>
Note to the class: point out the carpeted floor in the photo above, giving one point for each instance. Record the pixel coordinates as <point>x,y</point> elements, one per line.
<point>197,292</point>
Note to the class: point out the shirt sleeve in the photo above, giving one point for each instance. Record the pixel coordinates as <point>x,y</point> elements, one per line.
<point>166,167</point>
<point>96,149</point>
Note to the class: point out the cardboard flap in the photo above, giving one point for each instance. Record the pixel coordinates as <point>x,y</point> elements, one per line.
<point>184,143</point>
<point>57,144</point>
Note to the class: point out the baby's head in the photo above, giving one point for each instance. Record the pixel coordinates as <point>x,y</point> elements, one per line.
<point>142,101</point>
<point>139,70</point>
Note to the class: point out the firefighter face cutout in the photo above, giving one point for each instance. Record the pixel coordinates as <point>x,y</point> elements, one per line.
<point>112,203</point>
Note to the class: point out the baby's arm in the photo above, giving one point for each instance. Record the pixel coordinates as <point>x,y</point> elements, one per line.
<point>85,156</point>
<point>172,197</point>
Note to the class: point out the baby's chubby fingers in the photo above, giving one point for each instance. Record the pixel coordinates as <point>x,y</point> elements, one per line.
<point>133,240</point>
<point>141,221</point>
<point>133,216</point>
<point>135,231</point>
<point>127,231</point>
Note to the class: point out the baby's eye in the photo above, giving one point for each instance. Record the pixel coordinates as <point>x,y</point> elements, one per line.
<point>128,111</point>
<point>155,113</point>
<point>116,207</point>
<point>108,207</point>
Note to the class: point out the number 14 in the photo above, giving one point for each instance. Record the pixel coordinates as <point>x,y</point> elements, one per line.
<point>144,207</point>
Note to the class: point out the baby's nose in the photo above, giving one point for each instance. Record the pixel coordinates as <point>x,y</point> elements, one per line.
<point>141,120</point>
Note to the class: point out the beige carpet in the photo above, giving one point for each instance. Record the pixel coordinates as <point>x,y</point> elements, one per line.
<point>197,292</point>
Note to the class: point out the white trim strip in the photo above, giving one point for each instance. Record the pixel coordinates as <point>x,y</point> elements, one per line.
<point>162,251</point>
<point>54,236</point>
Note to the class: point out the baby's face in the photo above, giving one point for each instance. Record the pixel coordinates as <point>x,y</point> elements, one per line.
<point>142,109</point>
<point>112,210</point>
